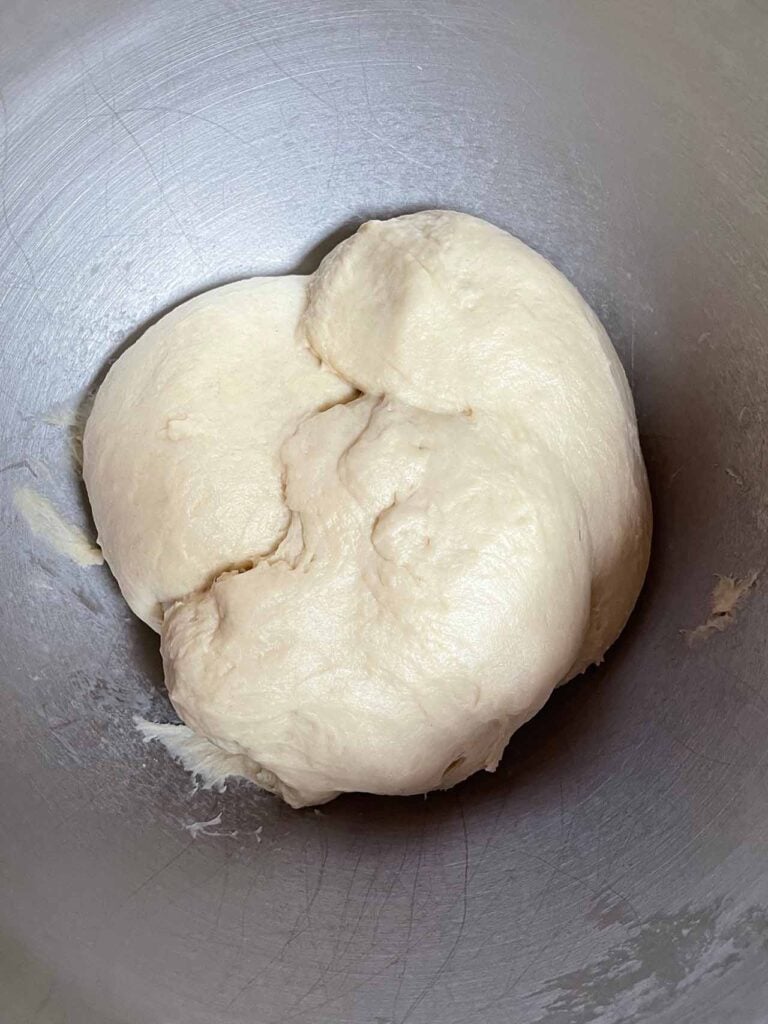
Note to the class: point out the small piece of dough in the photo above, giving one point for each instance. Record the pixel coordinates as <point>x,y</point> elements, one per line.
<point>44,520</point>
<point>412,569</point>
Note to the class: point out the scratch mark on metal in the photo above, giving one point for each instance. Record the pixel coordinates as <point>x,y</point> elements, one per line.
<point>459,931</point>
<point>155,874</point>
<point>411,917</point>
<point>120,120</point>
<point>6,215</point>
<point>319,97</point>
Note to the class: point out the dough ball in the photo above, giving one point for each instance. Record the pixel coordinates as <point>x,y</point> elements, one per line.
<point>403,503</point>
<point>181,452</point>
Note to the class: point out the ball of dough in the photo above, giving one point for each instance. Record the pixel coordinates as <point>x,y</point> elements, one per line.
<point>420,506</point>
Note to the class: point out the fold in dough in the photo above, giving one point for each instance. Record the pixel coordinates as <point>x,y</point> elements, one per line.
<point>377,514</point>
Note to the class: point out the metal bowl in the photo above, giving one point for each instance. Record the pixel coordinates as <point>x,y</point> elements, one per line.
<point>614,868</point>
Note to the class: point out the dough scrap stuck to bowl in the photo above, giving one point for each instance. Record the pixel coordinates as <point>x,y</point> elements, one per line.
<point>376,514</point>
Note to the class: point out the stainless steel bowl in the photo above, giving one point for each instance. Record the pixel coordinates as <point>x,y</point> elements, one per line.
<point>614,869</point>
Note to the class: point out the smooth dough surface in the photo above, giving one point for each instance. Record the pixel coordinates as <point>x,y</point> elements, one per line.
<point>378,514</point>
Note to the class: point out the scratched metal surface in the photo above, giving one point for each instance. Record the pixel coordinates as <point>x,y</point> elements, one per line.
<point>614,869</point>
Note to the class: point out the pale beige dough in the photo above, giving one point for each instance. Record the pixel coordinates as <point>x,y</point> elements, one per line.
<point>182,448</point>
<point>414,568</point>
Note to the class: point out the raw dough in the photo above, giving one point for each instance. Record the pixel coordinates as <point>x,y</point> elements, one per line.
<point>182,448</point>
<point>373,591</point>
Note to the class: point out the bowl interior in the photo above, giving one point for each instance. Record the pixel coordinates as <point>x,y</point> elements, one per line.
<point>613,869</point>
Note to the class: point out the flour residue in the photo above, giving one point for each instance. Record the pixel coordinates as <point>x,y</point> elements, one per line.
<point>208,828</point>
<point>63,415</point>
<point>727,595</point>
<point>72,418</point>
<point>203,828</point>
<point>45,521</point>
<point>208,764</point>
